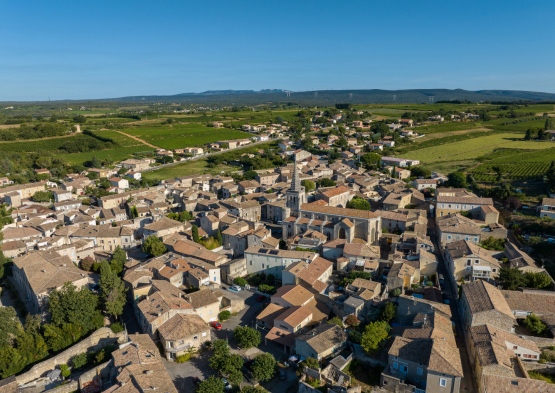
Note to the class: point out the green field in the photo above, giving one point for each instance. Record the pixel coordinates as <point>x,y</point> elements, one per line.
<point>114,154</point>
<point>473,148</point>
<point>178,136</point>
<point>188,168</point>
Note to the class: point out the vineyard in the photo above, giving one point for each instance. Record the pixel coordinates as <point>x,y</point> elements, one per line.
<point>518,171</point>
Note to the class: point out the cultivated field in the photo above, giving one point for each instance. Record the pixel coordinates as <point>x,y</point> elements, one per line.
<point>177,136</point>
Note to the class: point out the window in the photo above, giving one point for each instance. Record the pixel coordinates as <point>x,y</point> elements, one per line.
<point>210,312</point>
<point>477,262</point>
<point>494,270</point>
<point>448,236</point>
<point>404,369</point>
<point>468,262</point>
<point>442,382</point>
<point>251,263</point>
<point>262,266</point>
<point>515,347</point>
<point>395,365</point>
<point>475,239</point>
<point>419,371</point>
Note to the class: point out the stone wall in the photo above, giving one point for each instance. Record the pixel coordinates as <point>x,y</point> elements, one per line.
<point>67,388</point>
<point>541,342</point>
<point>97,340</point>
<point>546,368</point>
<point>102,371</point>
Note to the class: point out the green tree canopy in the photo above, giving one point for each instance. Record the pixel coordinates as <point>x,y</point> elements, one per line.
<point>308,185</point>
<point>369,159</point>
<point>264,367</point>
<point>388,312</point>
<point>511,278</point>
<point>184,216</point>
<point>154,246</point>
<point>335,321</point>
<point>359,204</point>
<point>212,384</point>
<point>325,182</point>
<point>247,337</point>
<point>374,334</point>
<point>112,289</point>
<point>9,325</point>
<point>194,231</point>
<point>457,180</point>
<point>75,306</point>
<point>534,324</point>
<point>420,171</point>
<point>119,257</point>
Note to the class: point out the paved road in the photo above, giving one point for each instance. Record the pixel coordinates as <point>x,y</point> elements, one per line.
<point>450,292</point>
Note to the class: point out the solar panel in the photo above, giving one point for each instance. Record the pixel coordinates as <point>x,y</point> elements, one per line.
<point>263,251</point>
<point>274,252</point>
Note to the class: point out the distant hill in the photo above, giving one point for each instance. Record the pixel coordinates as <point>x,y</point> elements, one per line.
<point>331,97</point>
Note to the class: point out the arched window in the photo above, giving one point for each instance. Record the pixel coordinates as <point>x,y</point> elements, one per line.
<point>341,233</point>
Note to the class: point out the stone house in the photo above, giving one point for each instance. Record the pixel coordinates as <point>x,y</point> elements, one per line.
<point>469,261</point>
<point>430,365</point>
<point>205,304</point>
<point>482,303</point>
<point>163,228</point>
<point>335,197</point>
<point>183,332</point>
<point>37,273</point>
<point>321,342</point>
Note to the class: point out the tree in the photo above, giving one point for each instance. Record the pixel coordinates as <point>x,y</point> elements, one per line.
<point>511,278</point>
<point>457,180</point>
<point>240,281</point>
<point>95,162</point>
<point>134,212</point>
<point>212,384</point>
<point>374,334</point>
<point>74,306</point>
<point>550,177</point>
<point>42,196</point>
<point>306,143</point>
<point>32,323</point>
<point>264,367</point>
<point>9,325</point>
<point>311,363</point>
<point>249,175</point>
<point>388,312</point>
<point>229,365</point>
<point>534,324</point>
<point>325,182</point>
<point>538,280</point>
<point>359,203</point>
<point>528,135</point>
<point>80,360</point>
<point>246,337</point>
<point>113,290</point>
<point>370,159</point>
<point>396,292</point>
<point>308,185</point>
<point>194,231</point>
<point>184,216</point>
<point>492,243</point>
<point>87,263</point>
<point>154,246</point>
<point>335,321</point>
<point>119,257</point>
<point>219,237</point>
<point>420,171</point>
<point>513,203</point>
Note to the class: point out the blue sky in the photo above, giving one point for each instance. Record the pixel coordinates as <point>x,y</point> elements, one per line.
<point>102,49</point>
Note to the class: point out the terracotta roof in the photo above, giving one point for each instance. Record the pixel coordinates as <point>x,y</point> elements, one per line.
<point>505,384</point>
<point>201,298</point>
<point>182,326</point>
<point>164,223</point>
<point>281,337</point>
<point>315,270</point>
<point>464,200</point>
<point>295,295</point>
<point>337,211</point>
<point>294,316</point>
<point>270,313</point>
<point>361,283</point>
<point>336,191</point>
<point>158,303</point>
<point>537,302</point>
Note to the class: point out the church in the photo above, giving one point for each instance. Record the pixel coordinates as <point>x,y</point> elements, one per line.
<point>355,226</point>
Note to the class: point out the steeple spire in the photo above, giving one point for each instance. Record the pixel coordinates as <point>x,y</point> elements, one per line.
<point>296,180</point>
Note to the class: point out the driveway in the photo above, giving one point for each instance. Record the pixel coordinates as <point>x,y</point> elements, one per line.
<point>182,374</point>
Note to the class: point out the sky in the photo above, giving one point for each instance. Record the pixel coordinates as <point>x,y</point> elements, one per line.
<point>103,49</point>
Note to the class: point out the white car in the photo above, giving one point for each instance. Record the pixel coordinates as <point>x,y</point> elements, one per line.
<point>237,288</point>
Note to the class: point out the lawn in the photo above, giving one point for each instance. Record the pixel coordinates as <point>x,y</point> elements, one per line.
<point>196,167</point>
<point>178,136</point>
<point>473,148</point>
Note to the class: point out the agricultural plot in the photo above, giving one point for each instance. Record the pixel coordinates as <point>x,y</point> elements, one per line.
<point>114,154</point>
<point>187,168</point>
<point>184,135</point>
<point>445,127</point>
<point>45,144</point>
<point>473,148</point>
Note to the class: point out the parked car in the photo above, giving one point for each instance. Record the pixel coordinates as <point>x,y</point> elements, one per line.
<point>551,240</point>
<point>282,375</point>
<point>237,288</point>
<point>441,280</point>
<point>260,298</point>
<point>216,325</point>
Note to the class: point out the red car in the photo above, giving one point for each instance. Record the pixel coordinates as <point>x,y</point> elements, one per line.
<point>261,298</point>
<point>216,325</point>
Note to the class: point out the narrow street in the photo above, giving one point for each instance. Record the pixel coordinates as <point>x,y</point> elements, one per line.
<point>468,384</point>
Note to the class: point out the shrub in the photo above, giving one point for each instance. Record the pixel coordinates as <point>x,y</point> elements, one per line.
<point>396,292</point>
<point>352,320</point>
<point>79,360</point>
<point>240,281</point>
<point>87,264</point>
<point>267,289</point>
<point>429,284</point>
<point>355,337</point>
<point>184,358</point>
<point>534,324</point>
<point>117,327</point>
<point>65,370</point>
<point>335,321</point>
<point>224,315</point>
<point>415,286</point>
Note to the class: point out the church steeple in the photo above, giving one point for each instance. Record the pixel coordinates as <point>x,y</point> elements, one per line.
<point>296,180</point>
